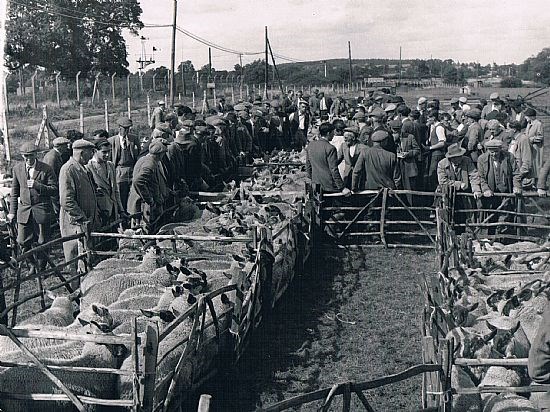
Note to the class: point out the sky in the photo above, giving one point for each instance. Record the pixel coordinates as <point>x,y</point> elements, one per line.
<point>485,31</point>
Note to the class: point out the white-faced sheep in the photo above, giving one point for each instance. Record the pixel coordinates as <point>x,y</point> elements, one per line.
<point>508,402</point>
<point>499,376</point>
<point>31,380</point>
<point>60,313</point>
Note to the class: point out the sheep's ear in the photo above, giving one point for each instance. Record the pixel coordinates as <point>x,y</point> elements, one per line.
<point>148,313</point>
<point>473,307</point>
<point>75,295</point>
<point>50,294</point>
<point>487,338</point>
<point>176,312</point>
<point>191,299</point>
<point>101,326</point>
<point>174,271</point>
<point>166,316</point>
<point>225,300</point>
<point>515,328</point>
<point>83,322</point>
<point>509,293</point>
<point>178,290</point>
<point>100,310</point>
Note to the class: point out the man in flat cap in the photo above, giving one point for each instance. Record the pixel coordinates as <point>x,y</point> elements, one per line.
<point>376,167</point>
<point>435,149</point>
<point>494,102</point>
<point>422,107</point>
<point>300,121</point>
<point>55,158</point>
<point>535,132</point>
<point>77,196</point>
<point>474,134</point>
<point>349,153</point>
<point>102,170</point>
<point>322,162</point>
<point>498,173</point>
<point>176,157</point>
<point>158,115</point>
<point>125,150</point>
<point>33,187</point>
<point>459,171</point>
<point>146,192</point>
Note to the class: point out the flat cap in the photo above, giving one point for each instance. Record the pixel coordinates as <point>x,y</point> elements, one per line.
<point>530,112</point>
<point>188,123</point>
<point>390,107</point>
<point>302,101</point>
<point>379,136</point>
<point>83,144</point>
<point>395,124</point>
<point>275,104</point>
<point>59,141</point>
<point>493,123</point>
<point>124,122</point>
<point>352,129</point>
<point>462,99</point>
<point>244,115</point>
<point>422,100</point>
<point>231,117</point>
<point>359,116</point>
<point>494,96</point>
<point>98,143</point>
<point>473,113</point>
<point>164,127</point>
<point>201,130</point>
<point>156,147</point>
<point>28,148</point>
<point>239,107</point>
<point>454,100</point>
<point>377,113</point>
<point>493,144</point>
<point>161,102</point>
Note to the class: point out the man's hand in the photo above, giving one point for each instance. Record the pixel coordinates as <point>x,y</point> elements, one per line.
<point>457,185</point>
<point>517,191</point>
<point>540,192</point>
<point>477,195</point>
<point>487,193</point>
<point>346,192</point>
<point>11,216</point>
<point>463,185</point>
<point>86,227</point>
<point>30,183</point>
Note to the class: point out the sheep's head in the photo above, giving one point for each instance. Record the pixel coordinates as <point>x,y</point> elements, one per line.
<point>472,343</point>
<point>100,318</point>
<point>460,314</point>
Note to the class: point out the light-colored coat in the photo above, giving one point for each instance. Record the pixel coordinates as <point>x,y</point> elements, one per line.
<point>466,171</point>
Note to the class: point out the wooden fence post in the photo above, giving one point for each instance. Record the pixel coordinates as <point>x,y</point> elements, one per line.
<point>150,353</point>
<point>57,88</point>
<point>106,115</point>
<point>129,108</point>
<point>193,100</point>
<point>113,86</point>
<point>81,108</point>
<point>4,117</point>
<point>77,87</point>
<point>33,77</point>
<point>96,88</point>
<point>204,403</point>
<point>128,85</point>
<point>149,109</point>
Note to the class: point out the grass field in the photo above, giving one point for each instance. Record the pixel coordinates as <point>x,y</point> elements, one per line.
<point>303,347</point>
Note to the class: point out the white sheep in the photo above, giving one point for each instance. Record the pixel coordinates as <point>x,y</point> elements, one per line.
<point>60,313</point>
<point>499,376</point>
<point>109,290</point>
<point>508,402</point>
<point>31,380</point>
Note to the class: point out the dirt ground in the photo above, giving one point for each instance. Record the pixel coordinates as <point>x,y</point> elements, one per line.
<point>304,346</point>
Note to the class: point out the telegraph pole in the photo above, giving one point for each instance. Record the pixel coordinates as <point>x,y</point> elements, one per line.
<point>173,55</point>
<point>399,65</point>
<point>350,71</point>
<point>209,64</point>
<point>266,64</point>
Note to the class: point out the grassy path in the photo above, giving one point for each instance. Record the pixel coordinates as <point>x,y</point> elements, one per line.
<point>303,347</point>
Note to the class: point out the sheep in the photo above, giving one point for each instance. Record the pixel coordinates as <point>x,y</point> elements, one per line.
<point>465,403</point>
<point>141,290</point>
<point>60,313</point>
<point>152,260</point>
<point>136,302</point>
<point>508,402</point>
<point>530,315</point>
<point>499,376</point>
<point>29,379</point>
<point>109,290</point>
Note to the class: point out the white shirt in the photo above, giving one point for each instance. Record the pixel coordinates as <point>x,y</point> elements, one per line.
<point>30,170</point>
<point>322,104</point>
<point>352,150</point>
<point>301,121</point>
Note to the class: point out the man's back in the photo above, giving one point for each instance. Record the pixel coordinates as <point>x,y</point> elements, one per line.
<point>379,169</point>
<point>322,165</point>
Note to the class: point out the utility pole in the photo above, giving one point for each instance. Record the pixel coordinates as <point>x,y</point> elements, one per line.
<point>209,64</point>
<point>400,65</point>
<point>266,64</point>
<point>325,62</point>
<point>350,71</point>
<point>242,70</point>
<point>173,55</point>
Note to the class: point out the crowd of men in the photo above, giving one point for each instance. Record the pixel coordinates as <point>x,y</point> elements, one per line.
<point>92,182</point>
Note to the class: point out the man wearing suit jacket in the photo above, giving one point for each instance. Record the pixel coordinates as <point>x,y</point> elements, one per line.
<point>56,158</point>
<point>300,121</point>
<point>34,185</point>
<point>325,104</point>
<point>103,173</point>
<point>124,154</point>
<point>77,197</point>
<point>146,192</point>
<point>349,153</point>
<point>322,162</point>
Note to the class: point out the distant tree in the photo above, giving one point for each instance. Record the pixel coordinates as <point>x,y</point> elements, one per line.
<point>71,35</point>
<point>186,66</point>
<point>511,82</point>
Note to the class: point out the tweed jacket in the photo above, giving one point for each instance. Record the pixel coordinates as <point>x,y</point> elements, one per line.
<point>37,200</point>
<point>465,173</point>
<point>77,197</point>
<point>107,191</point>
<point>509,172</point>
